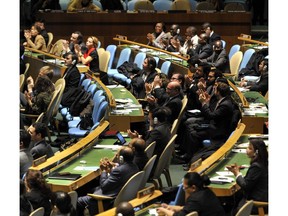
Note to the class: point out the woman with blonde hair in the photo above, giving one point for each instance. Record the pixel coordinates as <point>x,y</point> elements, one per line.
<point>90,58</point>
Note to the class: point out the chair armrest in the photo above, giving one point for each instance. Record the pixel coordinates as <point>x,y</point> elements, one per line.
<point>260,204</point>
<point>100,197</point>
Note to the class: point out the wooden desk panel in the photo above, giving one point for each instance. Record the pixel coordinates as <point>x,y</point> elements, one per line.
<point>136,26</point>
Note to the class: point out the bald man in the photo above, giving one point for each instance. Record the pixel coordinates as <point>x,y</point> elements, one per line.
<point>138,146</point>
<point>125,209</point>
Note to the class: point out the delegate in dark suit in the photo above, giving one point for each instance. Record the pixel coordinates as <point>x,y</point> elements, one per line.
<point>110,184</point>
<point>213,37</point>
<point>218,60</point>
<point>260,85</point>
<point>40,149</point>
<point>203,49</point>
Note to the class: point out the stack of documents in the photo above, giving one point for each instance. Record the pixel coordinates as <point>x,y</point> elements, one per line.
<point>221,179</point>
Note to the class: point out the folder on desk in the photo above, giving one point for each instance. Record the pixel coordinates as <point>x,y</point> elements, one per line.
<point>66,176</point>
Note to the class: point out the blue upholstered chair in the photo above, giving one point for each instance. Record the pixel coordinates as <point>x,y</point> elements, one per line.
<point>160,5</point>
<point>124,56</point>
<point>235,48</point>
<point>112,49</point>
<point>246,57</point>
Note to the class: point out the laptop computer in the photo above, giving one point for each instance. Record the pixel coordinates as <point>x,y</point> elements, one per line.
<point>64,176</point>
<point>120,139</point>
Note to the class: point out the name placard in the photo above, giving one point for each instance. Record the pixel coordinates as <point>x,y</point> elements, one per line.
<point>39,161</point>
<point>146,191</point>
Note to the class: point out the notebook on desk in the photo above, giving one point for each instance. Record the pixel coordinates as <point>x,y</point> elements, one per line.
<point>64,176</point>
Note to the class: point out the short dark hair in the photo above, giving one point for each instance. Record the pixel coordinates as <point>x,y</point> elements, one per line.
<point>223,89</point>
<point>80,37</point>
<point>161,113</point>
<point>194,178</point>
<point>40,128</point>
<point>206,25</point>
<point>138,144</point>
<point>25,138</point>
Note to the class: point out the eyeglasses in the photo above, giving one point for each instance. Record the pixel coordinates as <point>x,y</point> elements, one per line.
<point>174,78</point>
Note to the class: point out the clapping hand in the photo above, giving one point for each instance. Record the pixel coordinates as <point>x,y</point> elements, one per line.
<point>234,169</point>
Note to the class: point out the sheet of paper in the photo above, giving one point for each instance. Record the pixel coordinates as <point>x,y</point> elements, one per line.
<point>113,147</point>
<point>225,173</point>
<point>87,168</point>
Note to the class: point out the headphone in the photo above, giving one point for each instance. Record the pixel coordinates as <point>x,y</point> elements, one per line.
<point>121,159</point>
<point>178,31</point>
<point>265,68</point>
<point>256,152</point>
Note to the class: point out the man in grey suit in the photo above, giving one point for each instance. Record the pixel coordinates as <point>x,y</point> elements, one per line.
<point>111,182</point>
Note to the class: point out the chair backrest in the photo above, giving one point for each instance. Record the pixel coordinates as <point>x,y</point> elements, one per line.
<point>50,39</point>
<point>57,48</point>
<point>180,115</point>
<point>97,94</point>
<point>223,44</point>
<point>82,77</point>
<point>92,88</point>
<point>104,61</point>
<point>181,5</point>
<point>194,213</point>
<point>124,56</point>
<point>22,81</point>
<point>235,63</point>
<point>86,83</point>
<point>38,212</point>
<point>27,66</point>
<point>100,112</point>
<point>147,170</point>
<point>165,67</point>
<point>97,101</point>
<point>99,44</point>
<point>234,6</point>
<point>64,4</point>
<point>100,51</point>
<point>130,189</point>
<point>61,83</point>
<point>139,59</point>
<point>246,57</point>
<point>160,5</point>
<point>233,50</point>
<point>164,159</point>
<point>245,210</point>
<point>150,149</point>
<point>205,6</point>
<point>173,128</point>
<point>193,5</point>
<point>52,105</point>
<point>112,49</point>
<point>131,5</point>
<point>143,5</point>
<point>74,197</point>
<point>98,3</point>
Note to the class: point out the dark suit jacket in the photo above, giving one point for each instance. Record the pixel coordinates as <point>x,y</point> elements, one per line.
<point>204,202</point>
<point>255,183</point>
<point>138,84</point>
<point>214,37</point>
<point>40,149</point>
<point>175,105</point>
<point>161,134</point>
<point>39,199</point>
<point>72,78</point>
<point>261,85</point>
<point>112,184</point>
<point>220,118</point>
<point>202,51</point>
<point>140,159</point>
<point>220,61</point>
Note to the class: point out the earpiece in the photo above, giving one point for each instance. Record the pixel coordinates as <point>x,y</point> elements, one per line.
<point>178,31</point>
<point>256,152</point>
<point>121,159</point>
<point>74,62</point>
<point>155,120</point>
<point>265,67</point>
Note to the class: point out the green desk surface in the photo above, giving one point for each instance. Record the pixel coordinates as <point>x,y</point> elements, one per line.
<point>122,93</point>
<point>145,211</point>
<point>91,156</point>
<point>255,97</point>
